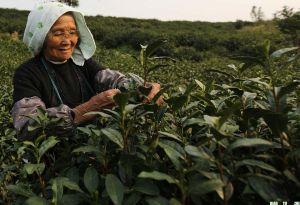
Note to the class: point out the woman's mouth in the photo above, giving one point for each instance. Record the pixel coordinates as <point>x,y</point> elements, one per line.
<point>65,49</point>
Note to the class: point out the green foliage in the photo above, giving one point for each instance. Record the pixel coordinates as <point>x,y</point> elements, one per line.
<point>228,133</point>
<point>186,40</point>
<point>289,24</point>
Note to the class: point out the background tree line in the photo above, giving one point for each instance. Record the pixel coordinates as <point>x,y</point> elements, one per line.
<point>187,40</point>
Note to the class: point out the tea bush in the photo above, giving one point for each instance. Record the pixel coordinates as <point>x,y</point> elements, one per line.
<point>224,136</point>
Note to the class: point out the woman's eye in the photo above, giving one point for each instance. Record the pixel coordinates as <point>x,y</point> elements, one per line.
<point>73,32</point>
<point>58,33</point>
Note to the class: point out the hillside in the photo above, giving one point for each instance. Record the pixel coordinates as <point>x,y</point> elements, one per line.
<point>186,40</point>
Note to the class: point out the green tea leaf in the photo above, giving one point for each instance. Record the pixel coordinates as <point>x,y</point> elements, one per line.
<point>260,164</point>
<point>58,184</point>
<point>206,187</point>
<point>266,189</point>
<point>157,201</point>
<point>91,179</point>
<point>86,149</point>
<point>37,168</point>
<point>70,184</point>
<point>201,85</point>
<point>193,121</point>
<point>20,189</point>
<point>291,177</point>
<point>114,188</point>
<point>143,57</point>
<point>146,187</point>
<point>173,150</point>
<point>114,135</point>
<point>166,134</point>
<point>121,99</point>
<point>174,201</point>
<point>133,198</point>
<point>71,199</point>
<point>282,51</point>
<point>158,176</point>
<point>250,142</point>
<point>35,200</point>
<point>85,130</point>
<point>58,190</point>
<point>28,143</point>
<point>197,152</point>
<point>46,145</point>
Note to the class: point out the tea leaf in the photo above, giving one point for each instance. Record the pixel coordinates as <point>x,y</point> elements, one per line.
<point>58,184</point>
<point>114,135</point>
<point>174,201</point>
<point>71,199</point>
<point>35,200</point>
<point>166,134</point>
<point>282,51</point>
<point>197,152</point>
<point>91,179</point>
<point>133,198</point>
<point>121,99</point>
<point>157,201</point>
<point>85,130</point>
<point>70,184</point>
<point>20,190</point>
<point>46,145</point>
<point>206,187</point>
<point>58,189</point>
<point>86,149</point>
<point>250,142</point>
<point>31,168</point>
<point>291,177</point>
<point>114,188</point>
<point>158,176</point>
<point>257,163</point>
<point>146,187</point>
<point>266,189</point>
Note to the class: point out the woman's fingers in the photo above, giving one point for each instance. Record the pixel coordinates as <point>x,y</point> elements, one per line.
<point>155,89</point>
<point>111,92</point>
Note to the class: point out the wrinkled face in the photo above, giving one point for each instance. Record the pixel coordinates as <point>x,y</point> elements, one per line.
<point>61,39</point>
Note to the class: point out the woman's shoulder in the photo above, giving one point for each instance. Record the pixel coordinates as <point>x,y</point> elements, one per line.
<point>29,66</point>
<point>92,63</point>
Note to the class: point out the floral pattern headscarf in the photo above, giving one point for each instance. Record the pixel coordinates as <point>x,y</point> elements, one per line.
<point>40,21</point>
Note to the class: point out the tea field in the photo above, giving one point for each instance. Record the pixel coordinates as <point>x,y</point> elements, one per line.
<point>228,133</point>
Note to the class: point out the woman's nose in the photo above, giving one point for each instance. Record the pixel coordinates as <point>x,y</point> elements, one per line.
<point>65,41</point>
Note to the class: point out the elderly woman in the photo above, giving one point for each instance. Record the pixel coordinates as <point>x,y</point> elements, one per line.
<point>61,78</point>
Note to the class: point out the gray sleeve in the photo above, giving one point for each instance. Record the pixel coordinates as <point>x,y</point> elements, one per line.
<point>28,106</point>
<point>23,108</point>
<point>109,79</point>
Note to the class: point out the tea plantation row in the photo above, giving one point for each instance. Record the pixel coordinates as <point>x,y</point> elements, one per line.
<point>228,133</point>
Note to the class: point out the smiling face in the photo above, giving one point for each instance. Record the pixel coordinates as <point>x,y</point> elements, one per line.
<point>61,40</point>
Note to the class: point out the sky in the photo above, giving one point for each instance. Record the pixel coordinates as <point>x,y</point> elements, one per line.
<point>190,10</point>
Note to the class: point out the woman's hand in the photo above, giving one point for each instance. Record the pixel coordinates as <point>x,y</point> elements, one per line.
<point>155,89</point>
<point>96,103</point>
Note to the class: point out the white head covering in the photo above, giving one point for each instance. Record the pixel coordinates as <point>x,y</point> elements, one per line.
<point>40,21</point>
